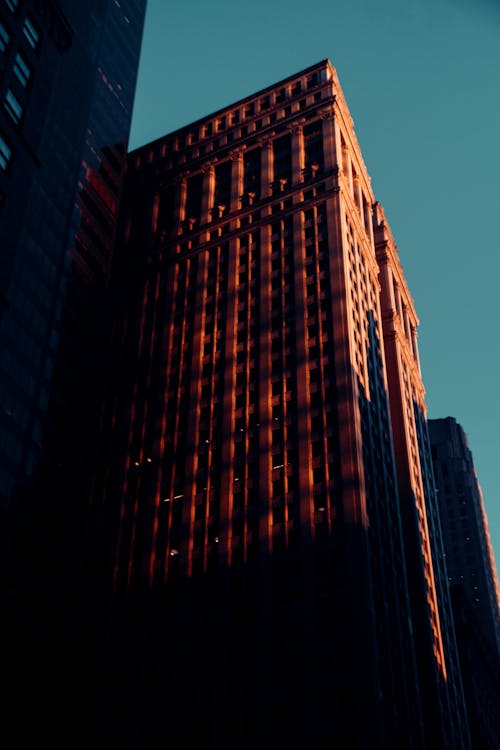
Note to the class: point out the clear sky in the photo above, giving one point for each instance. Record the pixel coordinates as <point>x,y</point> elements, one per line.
<point>422,81</point>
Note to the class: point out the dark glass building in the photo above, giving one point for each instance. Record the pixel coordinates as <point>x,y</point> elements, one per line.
<point>68,72</point>
<point>469,554</point>
<point>472,577</point>
<point>258,489</point>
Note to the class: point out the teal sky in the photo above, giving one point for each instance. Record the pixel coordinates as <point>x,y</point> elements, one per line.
<point>421,79</point>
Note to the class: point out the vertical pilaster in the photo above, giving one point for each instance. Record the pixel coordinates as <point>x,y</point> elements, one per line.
<point>207,200</point>
<point>414,343</point>
<point>329,143</point>
<point>368,222</point>
<point>298,157</point>
<point>154,213</point>
<point>236,179</point>
<point>267,166</point>
<point>303,398</point>
<point>265,397</point>
<point>227,474</point>
<point>180,203</point>
<point>191,424</point>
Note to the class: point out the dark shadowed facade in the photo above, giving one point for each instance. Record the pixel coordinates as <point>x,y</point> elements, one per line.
<point>67,82</point>
<point>265,508</point>
<point>434,637</point>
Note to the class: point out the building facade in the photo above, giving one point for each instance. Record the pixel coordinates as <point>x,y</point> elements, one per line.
<point>66,92</point>
<point>435,642</point>
<point>257,505</point>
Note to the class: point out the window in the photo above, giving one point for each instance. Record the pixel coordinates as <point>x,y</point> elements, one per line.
<point>5,153</point>
<point>13,106</point>
<point>31,32</point>
<point>4,38</point>
<point>22,70</point>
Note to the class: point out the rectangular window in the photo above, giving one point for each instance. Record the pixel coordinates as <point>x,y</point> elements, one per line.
<point>13,106</point>
<point>4,38</point>
<point>5,154</point>
<point>223,185</point>
<point>31,33</point>
<point>282,150</point>
<point>252,172</point>
<point>313,148</point>
<point>22,70</point>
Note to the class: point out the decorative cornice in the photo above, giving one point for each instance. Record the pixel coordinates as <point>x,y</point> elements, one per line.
<point>296,126</point>
<point>209,166</point>
<point>237,153</point>
<point>265,141</point>
<point>328,113</point>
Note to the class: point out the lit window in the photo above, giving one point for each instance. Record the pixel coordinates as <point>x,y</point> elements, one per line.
<point>4,38</point>
<point>12,4</point>
<point>22,70</point>
<point>13,106</point>
<point>31,32</point>
<point>5,153</point>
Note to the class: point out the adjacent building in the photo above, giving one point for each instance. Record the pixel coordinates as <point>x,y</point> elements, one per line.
<point>267,483</point>
<point>68,72</point>
<point>472,577</point>
<point>469,553</point>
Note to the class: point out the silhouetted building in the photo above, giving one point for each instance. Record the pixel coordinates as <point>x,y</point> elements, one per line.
<point>67,82</point>
<point>469,554</point>
<point>472,577</point>
<point>480,674</point>
<point>259,562</point>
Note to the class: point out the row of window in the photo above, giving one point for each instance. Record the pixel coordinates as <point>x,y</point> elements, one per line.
<point>251,109</point>
<point>23,72</point>
<point>12,5</point>
<point>176,152</point>
<point>30,31</point>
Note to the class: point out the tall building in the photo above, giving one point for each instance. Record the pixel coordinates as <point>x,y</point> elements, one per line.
<point>263,516</point>
<point>472,577</point>
<point>68,72</point>
<point>469,552</point>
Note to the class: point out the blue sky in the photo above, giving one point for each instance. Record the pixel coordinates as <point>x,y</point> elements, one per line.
<point>421,79</point>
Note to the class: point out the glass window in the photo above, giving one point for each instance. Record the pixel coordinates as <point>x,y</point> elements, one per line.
<point>22,69</point>
<point>5,153</point>
<point>12,4</point>
<point>4,37</point>
<point>31,32</point>
<point>13,106</point>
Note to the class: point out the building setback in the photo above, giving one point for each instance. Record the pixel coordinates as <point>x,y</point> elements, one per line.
<point>262,523</point>
<point>67,82</point>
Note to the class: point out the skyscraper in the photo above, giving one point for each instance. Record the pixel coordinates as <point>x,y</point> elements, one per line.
<point>469,553</point>
<point>259,511</point>
<point>66,91</point>
<point>472,577</point>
